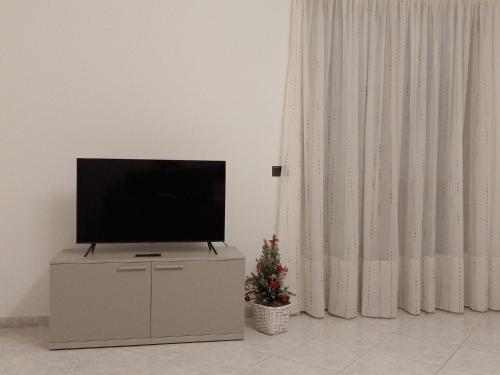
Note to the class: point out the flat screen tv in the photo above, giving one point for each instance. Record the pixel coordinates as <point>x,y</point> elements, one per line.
<point>132,200</point>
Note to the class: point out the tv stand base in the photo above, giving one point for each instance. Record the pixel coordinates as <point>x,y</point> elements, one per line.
<point>113,298</point>
<point>144,341</point>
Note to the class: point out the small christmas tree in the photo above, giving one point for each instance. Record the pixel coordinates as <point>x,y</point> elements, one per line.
<point>267,285</point>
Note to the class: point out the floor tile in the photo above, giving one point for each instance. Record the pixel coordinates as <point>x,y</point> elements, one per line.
<point>468,318</point>
<point>306,321</point>
<point>160,366</point>
<point>485,340</point>
<point>95,358</point>
<point>277,365</point>
<point>420,349</point>
<point>13,362</point>
<point>170,351</point>
<point>452,371</point>
<point>476,362</point>
<point>491,321</point>
<point>29,338</point>
<point>259,341</point>
<point>320,353</point>
<point>392,325</point>
<point>217,360</point>
<point>382,364</point>
<point>350,335</point>
<point>451,331</point>
<point>408,344</point>
<point>388,325</point>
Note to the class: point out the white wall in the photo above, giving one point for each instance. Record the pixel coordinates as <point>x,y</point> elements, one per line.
<point>185,79</point>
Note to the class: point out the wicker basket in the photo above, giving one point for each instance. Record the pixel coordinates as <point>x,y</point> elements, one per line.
<point>271,320</point>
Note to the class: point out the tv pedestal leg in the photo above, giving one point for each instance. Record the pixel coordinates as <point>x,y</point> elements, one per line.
<point>211,247</point>
<point>90,250</point>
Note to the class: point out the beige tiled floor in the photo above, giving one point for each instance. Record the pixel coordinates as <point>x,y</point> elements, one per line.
<point>440,343</point>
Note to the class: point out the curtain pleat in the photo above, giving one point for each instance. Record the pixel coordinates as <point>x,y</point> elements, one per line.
<point>390,191</point>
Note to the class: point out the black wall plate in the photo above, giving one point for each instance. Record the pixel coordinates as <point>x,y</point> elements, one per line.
<point>276,170</point>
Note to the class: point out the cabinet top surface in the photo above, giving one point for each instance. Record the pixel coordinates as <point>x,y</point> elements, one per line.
<point>129,254</point>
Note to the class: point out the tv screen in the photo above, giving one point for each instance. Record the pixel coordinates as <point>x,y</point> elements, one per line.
<point>131,200</point>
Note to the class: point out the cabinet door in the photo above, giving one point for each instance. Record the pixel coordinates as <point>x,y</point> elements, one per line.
<point>192,298</point>
<point>103,301</point>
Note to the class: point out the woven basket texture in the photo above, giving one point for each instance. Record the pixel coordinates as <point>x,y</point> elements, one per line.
<point>271,320</point>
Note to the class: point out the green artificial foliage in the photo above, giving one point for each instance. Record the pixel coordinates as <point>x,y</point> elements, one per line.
<point>267,285</point>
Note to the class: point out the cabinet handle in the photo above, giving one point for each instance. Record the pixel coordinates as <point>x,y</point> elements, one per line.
<point>176,267</point>
<point>131,268</point>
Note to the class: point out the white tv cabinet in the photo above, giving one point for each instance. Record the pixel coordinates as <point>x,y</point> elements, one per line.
<point>113,298</point>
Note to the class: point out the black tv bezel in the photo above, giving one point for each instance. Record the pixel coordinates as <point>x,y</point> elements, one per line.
<point>161,241</point>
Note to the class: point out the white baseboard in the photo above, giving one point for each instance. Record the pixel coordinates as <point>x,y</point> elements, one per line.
<point>24,321</point>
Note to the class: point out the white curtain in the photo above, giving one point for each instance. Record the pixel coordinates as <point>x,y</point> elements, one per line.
<point>390,194</point>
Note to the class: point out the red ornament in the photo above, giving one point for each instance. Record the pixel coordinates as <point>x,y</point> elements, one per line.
<point>274,241</point>
<point>274,284</point>
<point>279,269</point>
<point>284,299</point>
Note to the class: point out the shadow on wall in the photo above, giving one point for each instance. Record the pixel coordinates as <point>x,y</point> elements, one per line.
<point>61,222</point>
<point>57,232</point>
<point>37,292</point>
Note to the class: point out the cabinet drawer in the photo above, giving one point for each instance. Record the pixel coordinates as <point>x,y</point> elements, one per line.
<point>192,298</point>
<point>90,302</point>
